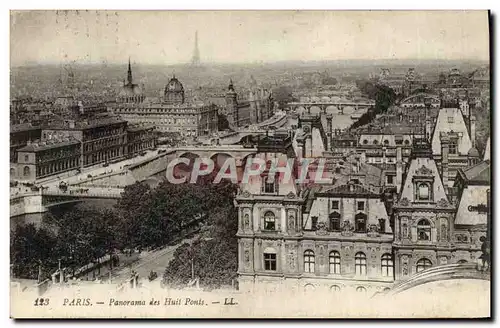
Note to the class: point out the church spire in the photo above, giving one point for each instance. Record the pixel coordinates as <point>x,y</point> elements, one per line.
<point>129,74</point>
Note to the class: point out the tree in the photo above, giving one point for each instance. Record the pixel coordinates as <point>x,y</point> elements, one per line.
<point>213,259</point>
<point>85,234</point>
<point>30,248</point>
<point>222,122</point>
<point>283,95</point>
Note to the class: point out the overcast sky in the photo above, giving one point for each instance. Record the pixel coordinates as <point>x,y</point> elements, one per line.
<point>161,37</point>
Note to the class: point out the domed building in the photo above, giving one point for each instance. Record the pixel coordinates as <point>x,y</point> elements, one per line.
<point>171,113</point>
<point>174,92</point>
<point>130,92</point>
<point>473,156</point>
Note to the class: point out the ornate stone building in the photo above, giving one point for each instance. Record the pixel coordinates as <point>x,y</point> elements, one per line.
<point>423,216</point>
<point>41,159</point>
<point>329,237</point>
<point>171,114</point>
<point>255,108</point>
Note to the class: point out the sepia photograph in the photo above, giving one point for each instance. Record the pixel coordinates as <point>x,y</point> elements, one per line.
<point>250,164</point>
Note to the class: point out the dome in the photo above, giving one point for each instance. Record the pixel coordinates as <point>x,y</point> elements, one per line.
<point>174,85</point>
<point>473,152</point>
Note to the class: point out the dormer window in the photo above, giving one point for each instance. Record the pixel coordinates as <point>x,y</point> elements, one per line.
<point>423,191</point>
<point>269,185</point>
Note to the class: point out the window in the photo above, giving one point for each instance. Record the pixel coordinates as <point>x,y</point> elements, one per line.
<point>453,148</point>
<point>381,223</point>
<point>26,158</point>
<point>386,142</point>
<point>335,221</point>
<point>424,230</point>
<point>314,222</point>
<point>270,261</point>
<point>462,261</point>
<point>407,142</point>
<point>269,185</point>
<point>335,205</point>
<point>335,289</point>
<point>387,265</point>
<point>26,171</point>
<point>360,263</point>
<point>361,289</point>
<point>365,142</point>
<point>375,142</point>
<point>423,192</point>
<point>309,261</point>
<point>423,264</point>
<point>390,179</point>
<point>450,119</point>
<point>361,206</point>
<point>269,221</point>
<point>360,222</point>
<point>335,262</point>
<point>338,170</point>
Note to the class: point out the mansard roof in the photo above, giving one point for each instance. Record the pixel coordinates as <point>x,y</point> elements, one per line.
<point>477,174</point>
<point>349,189</point>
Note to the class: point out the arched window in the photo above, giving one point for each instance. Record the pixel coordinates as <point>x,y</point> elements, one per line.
<point>269,221</point>
<point>335,288</point>
<point>424,230</point>
<point>334,262</point>
<point>12,172</point>
<point>360,222</point>
<point>26,171</point>
<point>423,192</point>
<point>309,288</point>
<point>309,261</point>
<point>423,264</point>
<point>361,289</point>
<point>387,265</point>
<point>360,263</point>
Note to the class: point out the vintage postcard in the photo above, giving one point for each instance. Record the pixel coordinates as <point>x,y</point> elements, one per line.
<point>250,164</point>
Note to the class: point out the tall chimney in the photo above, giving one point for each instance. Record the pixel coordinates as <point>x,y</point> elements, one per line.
<point>399,168</point>
<point>473,130</point>
<point>445,147</point>
<point>329,142</point>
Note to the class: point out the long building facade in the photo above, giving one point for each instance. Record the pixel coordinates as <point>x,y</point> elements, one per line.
<point>170,114</point>
<point>351,233</point>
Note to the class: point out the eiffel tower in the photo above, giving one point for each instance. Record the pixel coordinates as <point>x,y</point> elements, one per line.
<point>195,61</point>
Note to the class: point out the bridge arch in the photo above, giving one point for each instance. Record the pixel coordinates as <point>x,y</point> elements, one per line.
<point>220,158</point>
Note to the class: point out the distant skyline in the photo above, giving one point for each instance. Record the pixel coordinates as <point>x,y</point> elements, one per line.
<point>167,37</point>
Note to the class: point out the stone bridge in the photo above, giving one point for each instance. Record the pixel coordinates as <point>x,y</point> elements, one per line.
<point>239,136</point>
<point>41,201</point>
<point>465,271</point>
<point>353,109</point>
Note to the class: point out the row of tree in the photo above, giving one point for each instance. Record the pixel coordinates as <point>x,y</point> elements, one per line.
<point>143,218</point>
<point>384,97</point>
